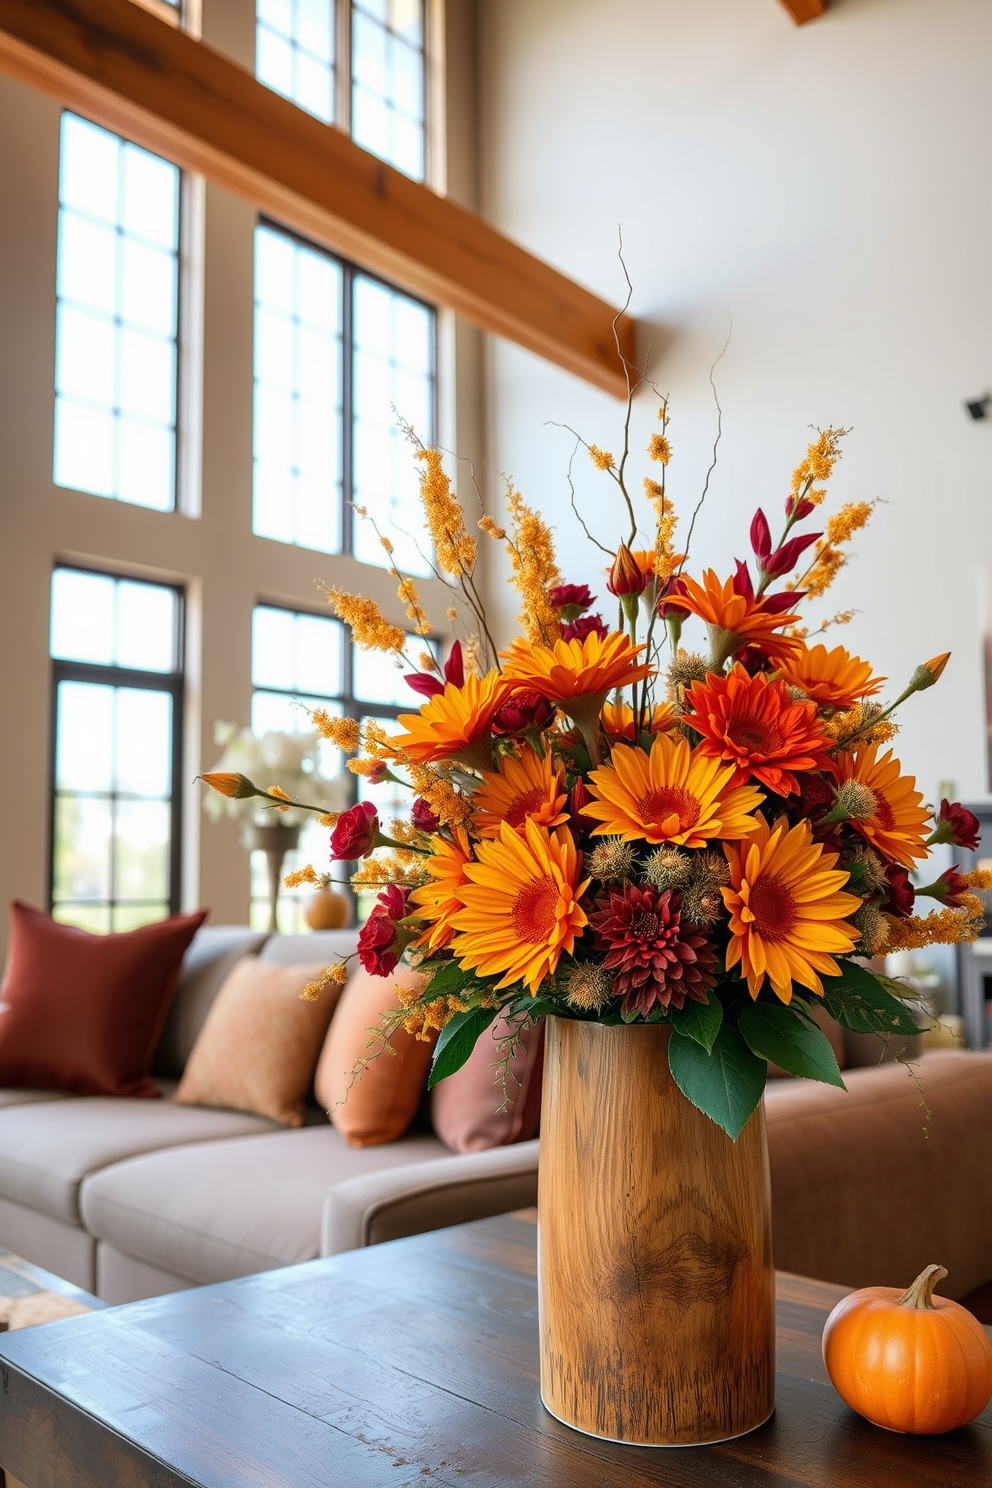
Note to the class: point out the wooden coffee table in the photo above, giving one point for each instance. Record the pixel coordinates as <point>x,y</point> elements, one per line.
<point>408,1363</point>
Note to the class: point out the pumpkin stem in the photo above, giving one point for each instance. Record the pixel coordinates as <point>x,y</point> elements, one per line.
<point>920,1294</point>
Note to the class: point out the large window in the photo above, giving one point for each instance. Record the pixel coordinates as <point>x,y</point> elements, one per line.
<point>116,647</point>
<point>383,89</point>
<point>302,661</point>
<point>340,357</point>
<point>117,318</point>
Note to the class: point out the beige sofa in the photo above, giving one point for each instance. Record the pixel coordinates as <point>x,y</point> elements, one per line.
<point>131,1198</point>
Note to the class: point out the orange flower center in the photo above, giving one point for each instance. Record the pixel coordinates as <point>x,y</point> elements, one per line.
<point>773,907</point>
<point>523,806</point>
<point>658,805</point>
<point>753,736</point>
<point>535,910</point>
<point>884,814</point>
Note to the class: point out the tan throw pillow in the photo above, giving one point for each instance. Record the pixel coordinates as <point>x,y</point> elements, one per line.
<point>259,1045</point>
<point>379,1105</point>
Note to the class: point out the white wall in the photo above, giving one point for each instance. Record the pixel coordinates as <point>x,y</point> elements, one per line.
<point>827,187</point>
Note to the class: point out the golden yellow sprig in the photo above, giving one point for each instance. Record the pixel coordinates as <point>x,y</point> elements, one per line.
<point>369,627</point>
<point>947,926</point>
<point>454,548</point>
<point>331,976</point>
<point>344,732</point>
<point>535,570</point>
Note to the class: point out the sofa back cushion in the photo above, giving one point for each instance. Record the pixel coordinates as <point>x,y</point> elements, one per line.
<point>325,946</point>
<point>258,1048</point>
<point>82,1012</point>
<point>379,1104</point>
<point>474,1109</point>
<point>206,966</point>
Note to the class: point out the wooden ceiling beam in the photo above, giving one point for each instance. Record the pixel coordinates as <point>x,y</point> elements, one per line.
<point>124,68</point>
<point>802,11</point>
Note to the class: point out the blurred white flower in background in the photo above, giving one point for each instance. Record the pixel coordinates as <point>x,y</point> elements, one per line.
<point>290,761</point>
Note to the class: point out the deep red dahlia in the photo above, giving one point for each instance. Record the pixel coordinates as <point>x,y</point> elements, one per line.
<point>656,960</point>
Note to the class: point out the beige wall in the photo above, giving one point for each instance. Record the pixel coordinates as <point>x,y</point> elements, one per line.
<point>827,187</point>
<point>224,567</point>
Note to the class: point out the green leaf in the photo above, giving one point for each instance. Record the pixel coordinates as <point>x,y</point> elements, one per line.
<point>699,1020</point>
<point>726,1084</point>
<point>859,1001</point>
<point>774,1032</point>
<point>445,976</point>
<point>456,1041</point>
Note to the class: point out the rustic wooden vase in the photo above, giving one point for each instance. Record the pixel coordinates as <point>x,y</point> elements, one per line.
<point>656,1283</point>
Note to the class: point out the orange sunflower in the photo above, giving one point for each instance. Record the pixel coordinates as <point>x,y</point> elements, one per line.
<point>672,795</point>
<point>520,789</point>
<point>454,724</point>
<point>436,902</point>
<point>617,720</point>
<point>898,826</point>
<point>754,725</point>
<point>570,672</point>
<point>832,679</point>
<point>786,909</point>
<point>521,909</point>
<point>734,617</point>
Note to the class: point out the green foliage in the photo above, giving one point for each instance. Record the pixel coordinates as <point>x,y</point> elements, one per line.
<point>775,1032</point>
<point>725,1084</point>
<point>700,1021</point>
<point>860,1001</point>
<point>456,1041</point>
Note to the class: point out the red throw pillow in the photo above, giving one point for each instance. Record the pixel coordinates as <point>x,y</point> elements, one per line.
<point>84,1012</point>
<point>465,1107</point>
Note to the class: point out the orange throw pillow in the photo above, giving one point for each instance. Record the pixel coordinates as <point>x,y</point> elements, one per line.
<point>379,1105</point>
<point>259,1044</point>
<point>82,1012</point>
<point>465,1108</point>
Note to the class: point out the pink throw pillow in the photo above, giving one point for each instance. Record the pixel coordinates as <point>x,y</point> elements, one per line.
<point>465,1107</point>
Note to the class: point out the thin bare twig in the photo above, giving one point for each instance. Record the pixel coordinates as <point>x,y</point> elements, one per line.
<point>716,446</point>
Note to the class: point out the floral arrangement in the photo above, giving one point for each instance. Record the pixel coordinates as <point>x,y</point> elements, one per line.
<point>294,759</point>
<point>607,825</point>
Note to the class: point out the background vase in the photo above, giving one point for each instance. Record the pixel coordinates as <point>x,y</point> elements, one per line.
<point>275,841</point>
<point>326,909</point>
<point>656,1281</point>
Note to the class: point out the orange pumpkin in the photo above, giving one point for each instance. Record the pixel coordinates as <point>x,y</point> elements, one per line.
<point>326,909</point>
<point>911,1362</point>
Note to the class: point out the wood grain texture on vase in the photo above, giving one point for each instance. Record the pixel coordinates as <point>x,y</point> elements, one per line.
<point>657,1289</point>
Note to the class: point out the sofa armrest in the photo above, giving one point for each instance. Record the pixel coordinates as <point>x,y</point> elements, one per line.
<point>871,1185</point>
<point>428,1196</point>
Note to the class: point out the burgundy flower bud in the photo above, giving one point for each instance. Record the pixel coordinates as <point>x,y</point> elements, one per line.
<point>901,895</point>
<point>800,508</point>
<point>422,682</point>
<point>423,818</point>
<point>583,626</point>
<point>379,940</point>
<point>742,581</point>
<point>355,832</point>
<point>454,667</point>
<point>777,604</point>
<point>571,600</point>
<point>578,798</point>
<point>761,538</point>
<point>784,559</point>
<point>378,773</point>
<point>625,575</point>
<point>950,888</point>
<point>957,825</point>
<point>673,586</point>
<point>524,712</point>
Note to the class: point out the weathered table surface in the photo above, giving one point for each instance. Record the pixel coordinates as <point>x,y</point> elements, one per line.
<point>408,1363</point>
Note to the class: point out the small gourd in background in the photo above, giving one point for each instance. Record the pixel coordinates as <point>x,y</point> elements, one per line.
<point>326,909</point>
<point>909,1362</point>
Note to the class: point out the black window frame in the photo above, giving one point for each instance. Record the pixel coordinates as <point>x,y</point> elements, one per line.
<point>101,674</point>
<point>349,273</point>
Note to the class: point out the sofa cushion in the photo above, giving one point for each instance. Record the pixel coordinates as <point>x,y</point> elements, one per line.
<point>14,1097</point>
<point>221,1209</point>
<point>48,1148</point>
<point>259,1046</point>
<point>303,950</point>
<point>205,969</point>
<point>82,1012</point>
<point>474,1108</point>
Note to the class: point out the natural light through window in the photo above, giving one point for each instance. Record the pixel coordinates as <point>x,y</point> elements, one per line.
<point>393,381</point>
<point>387,81</point>
<point>115,647</point>
<point>294,52</point>
<point>117,317</point>
<point>298,393</point>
